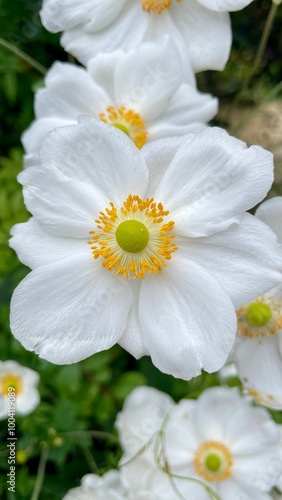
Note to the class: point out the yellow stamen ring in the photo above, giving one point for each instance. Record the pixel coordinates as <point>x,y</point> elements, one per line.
<point>128,121</point>
<point>156,6</point>
<point>134,240</point>
<point>11,380</point>
<point>213,461</point>
<point>261,318</point>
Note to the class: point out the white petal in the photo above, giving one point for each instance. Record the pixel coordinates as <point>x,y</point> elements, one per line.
<point>34,136</point>
<point>36,247</point>
<point>69,310</point>
<point>159,154</point>
<point>27,401</point>
<point>225,5</point>
<point>69,93</point>
<point>207,34</point>
<point>214,408</point>
<point>270,212</point>
<point>175,309</point>
<point>83,168</point>
<point>147,482</point>
<point>58,16</point>
<point>259,365</point>
<point>132,338</point>
<point>148,76</point>
<point>123,33</point>
<point>245,259</point>
<point>187,107</point>
<point>142,417</point>
<point>213,179</point>
<point>231,490</point>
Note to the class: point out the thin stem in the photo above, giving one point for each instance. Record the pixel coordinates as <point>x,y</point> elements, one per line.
<point>265,36</point>
<point>22,55</point>
<point>260,53</point>
<point>40,473</point>
<point>90,460</point>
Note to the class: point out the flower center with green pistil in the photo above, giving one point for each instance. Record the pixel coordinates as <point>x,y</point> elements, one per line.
<point>213,462</point>
<point>132,236</point>
<point>122,128</point>
<point>258,314</point>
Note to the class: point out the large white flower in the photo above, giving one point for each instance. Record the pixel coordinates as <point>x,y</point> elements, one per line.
<point>258,349</point>
<point>171,216</point>
<point>219,440</point>
<point>200,28</point>
<point>108,487</point>
<point>140,92</point>
<point>24,382</point>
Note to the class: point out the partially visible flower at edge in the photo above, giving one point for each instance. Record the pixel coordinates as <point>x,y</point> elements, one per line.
<point>21,384</point>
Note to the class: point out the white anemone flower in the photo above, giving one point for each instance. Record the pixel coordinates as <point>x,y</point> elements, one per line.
<point>23,383</point>
<point>200,28</point>
<point>221,442</point>
<point>150,249</point>
<point>258,349</point>
<point>141,92</point>
<point>107,487</point>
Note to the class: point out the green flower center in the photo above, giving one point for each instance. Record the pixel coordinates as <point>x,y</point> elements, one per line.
<point>258,314</point>
<point>213,462</point>
<point>132,236</point>
<point>122,128</point>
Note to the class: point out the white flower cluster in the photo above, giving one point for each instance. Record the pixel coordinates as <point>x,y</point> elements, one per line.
<point>140,236</point>
<point>219,446</point>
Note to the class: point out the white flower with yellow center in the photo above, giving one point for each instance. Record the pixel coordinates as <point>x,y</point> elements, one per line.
<point>200,28</point>
<point>258,349</point>
<point>141,92</point>
<point>145,248</point>
<point>107,487</point>
<point>220,441</point>
<point>24,382</point>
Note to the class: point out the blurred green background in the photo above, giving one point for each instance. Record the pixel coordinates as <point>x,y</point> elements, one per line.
<point>72,428</point>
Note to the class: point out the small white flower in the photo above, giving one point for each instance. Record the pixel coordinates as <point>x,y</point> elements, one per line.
<point>258,349</point>
<point>220,440</point>
<point>24,381</point>
<point>108,487</point>
<point>140,92</point>
<point>200,28</point>
<point>150,249</point>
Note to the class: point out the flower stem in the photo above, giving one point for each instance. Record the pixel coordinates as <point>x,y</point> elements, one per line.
<point>265,36</point>
<point>22,55</point>
<point>259,55</point>
<point>40,472</point>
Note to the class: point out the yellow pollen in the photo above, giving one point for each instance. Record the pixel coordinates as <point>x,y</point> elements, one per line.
<point>264,399</point>
<point>135,239</point>
<point>261,318</point>
<point>213,461</point>
<point>156,6</point>
<point>10,380</point>
<point>128,121</point>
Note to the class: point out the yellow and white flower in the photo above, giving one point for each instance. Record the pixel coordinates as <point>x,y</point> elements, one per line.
<point>219,440</point>
<point>200,28</point>
<point>258,349</point>
<point>24,382</point>
<point>150,249</point>
<point>141,92</point>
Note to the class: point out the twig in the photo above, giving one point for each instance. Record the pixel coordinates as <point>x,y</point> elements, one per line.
<point>22,55</point>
